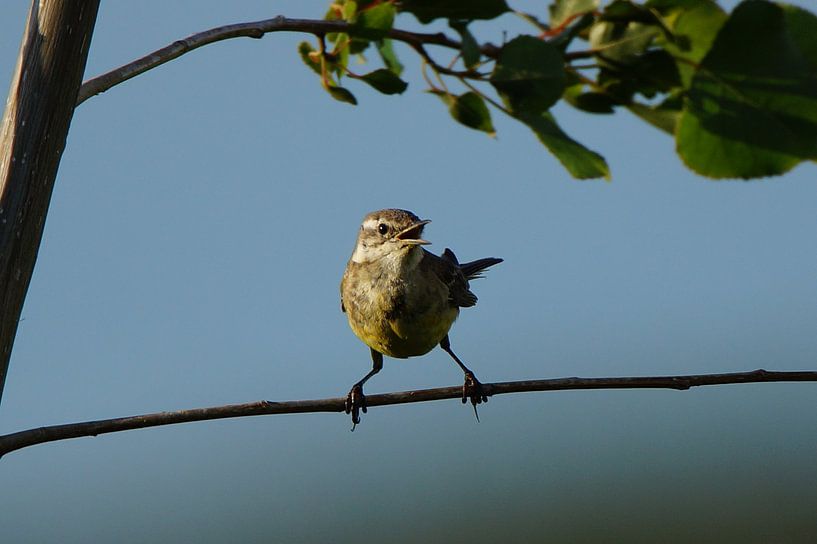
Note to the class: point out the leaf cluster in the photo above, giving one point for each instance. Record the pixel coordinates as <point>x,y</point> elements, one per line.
<point>737,91</point>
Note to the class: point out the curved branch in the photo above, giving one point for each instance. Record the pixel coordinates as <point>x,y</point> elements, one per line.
<point>30,437</point>
<point>255,29</point>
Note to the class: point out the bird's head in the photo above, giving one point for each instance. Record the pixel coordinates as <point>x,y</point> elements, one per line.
<point>389,232</point>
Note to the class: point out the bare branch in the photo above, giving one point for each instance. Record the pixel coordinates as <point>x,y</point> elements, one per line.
<point>22,439</point>
<point>255,29</point>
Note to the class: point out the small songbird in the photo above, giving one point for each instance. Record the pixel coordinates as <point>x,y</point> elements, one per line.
<point>401,300</point>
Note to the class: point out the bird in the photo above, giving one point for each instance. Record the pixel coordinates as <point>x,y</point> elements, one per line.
<point>401,300</point>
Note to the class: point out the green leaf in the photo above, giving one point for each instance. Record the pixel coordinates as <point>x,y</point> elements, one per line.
<point>470,110</point>
<point>620,43</point>
<point>694,23</point>
<point>751,109</point>
<point>349,10</point>
<point>591,102</point>
<point>630,63</point>
<point>384,47</point>
<point>306,52</point>
<point>529,75</point>
<point>358,45</point>
<point>661,117</point>
<point>625,11</point>
<point>338,59</point>
<point>562,10</point>
<point>341,94</point>
<point>374,23</point>
<point>470,48</point>
<point>581,162</point>
<point>333,14</point>
<point>385,81</point>
<point>801,25</point>
<point>654,72</point>
<point>467,10</point>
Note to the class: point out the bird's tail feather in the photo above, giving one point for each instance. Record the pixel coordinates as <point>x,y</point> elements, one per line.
<point>473,270</point>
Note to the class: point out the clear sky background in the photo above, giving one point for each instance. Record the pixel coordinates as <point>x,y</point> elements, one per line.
<point>200,224</point>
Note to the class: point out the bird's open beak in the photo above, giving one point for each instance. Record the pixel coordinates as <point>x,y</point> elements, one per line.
<point>412,234</point>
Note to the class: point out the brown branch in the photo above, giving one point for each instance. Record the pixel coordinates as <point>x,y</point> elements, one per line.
<point>30,437</point>
<point>255,29</point>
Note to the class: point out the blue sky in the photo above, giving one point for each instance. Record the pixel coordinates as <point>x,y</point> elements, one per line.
<point>201,221</point>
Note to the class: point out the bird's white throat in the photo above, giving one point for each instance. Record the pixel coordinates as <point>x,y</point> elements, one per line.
<point>394,259</point>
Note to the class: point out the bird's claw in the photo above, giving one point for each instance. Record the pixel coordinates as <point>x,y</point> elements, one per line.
<point>356,403</point>
<point>472,390</point>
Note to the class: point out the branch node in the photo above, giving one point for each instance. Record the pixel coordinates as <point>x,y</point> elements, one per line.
<point>681,383</point>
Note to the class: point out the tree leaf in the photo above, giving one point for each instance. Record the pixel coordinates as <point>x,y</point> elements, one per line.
<point>467,10</point>
<point>529,75</point>
<point>661,117</point>
<point>619,43</point>
<point>374,23</point>
<point>591,102</point>
<point>349,10</point>
<point>751,109</point>
<point>470,48</point>
<point>801,24</point>
<point>358,45</point>
<point>470,110</point>
<point>694,23</point>
<point>307,53</point>
<point>654,72</point>
<point>338,59</point>
<point>341,94</point>
<point>385,81</point>
<point>384,47</point>
<point>562,10</point>
<point>581,162</point>
<point>625,11</point>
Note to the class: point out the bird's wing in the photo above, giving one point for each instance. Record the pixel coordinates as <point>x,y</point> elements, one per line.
<point>448,271</point>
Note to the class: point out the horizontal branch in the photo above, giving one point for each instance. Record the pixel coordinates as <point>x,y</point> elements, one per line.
<point>22,439</point>
<point>255,29</point>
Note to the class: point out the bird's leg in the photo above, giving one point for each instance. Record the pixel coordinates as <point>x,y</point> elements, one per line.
<point>472,388</point>
<point>356,400</point>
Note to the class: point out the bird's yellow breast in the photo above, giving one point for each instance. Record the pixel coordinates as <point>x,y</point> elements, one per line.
<point>401,315</point>
<point>406,336</point>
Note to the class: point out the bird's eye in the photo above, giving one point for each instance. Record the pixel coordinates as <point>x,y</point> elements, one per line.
<point>382,228</point>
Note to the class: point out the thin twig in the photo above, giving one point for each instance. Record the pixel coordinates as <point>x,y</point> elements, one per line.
<point>487,98</point>
<point>30,437</point>
<point>254,29</point>
<point>440,69</point>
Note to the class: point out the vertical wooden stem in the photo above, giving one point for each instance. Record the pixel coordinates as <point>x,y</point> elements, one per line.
<point>35,124</point>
